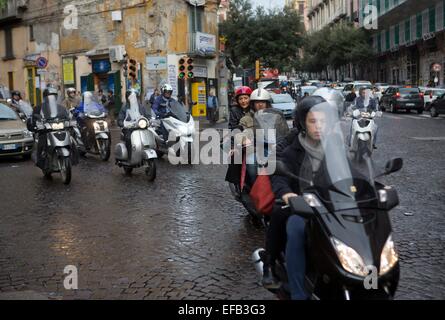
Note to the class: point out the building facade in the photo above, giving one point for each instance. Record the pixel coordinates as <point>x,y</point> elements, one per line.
<point>409,42</point>
<point>88,45</point>
<point>301,7</point>
<point>322,13</point>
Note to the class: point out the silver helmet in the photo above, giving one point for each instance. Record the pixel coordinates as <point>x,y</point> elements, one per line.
<point>260,95</point>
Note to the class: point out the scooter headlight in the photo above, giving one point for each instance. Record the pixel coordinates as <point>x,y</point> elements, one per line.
<point>57,126</point>
<point>389,256</point>
<point>350,260</point>
<point>311,200</point>
<point>143,124</point>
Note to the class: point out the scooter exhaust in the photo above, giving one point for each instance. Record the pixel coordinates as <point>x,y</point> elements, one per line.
<point>256,258</point>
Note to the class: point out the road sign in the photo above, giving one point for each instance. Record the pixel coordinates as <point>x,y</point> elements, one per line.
<point>41,62</point>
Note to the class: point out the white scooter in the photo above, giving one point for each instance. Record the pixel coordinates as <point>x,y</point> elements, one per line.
<point>363,133</point>
<point>142,142</point>
<point>181,130</point>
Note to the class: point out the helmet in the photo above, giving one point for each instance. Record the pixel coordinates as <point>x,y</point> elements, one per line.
<point>50,91</point>
<point>242,91</point>
<point>303,109</point>
<point>70,90</point>
<point>16,93</point>
<point>260,95</point>
<point>332,96</point>
<point>166,88</point>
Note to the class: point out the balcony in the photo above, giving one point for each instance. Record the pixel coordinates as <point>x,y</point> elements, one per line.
<point>13,10</point>
<point>202,45</point>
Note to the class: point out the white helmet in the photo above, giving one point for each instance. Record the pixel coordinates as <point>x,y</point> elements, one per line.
<point>260,95</point>
<point>332,96</point>
<point>166,87</point>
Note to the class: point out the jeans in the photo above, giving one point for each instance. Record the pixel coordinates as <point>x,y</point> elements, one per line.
<point>296,257</point>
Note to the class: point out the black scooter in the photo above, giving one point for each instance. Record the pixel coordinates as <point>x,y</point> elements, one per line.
<point>349,247</point>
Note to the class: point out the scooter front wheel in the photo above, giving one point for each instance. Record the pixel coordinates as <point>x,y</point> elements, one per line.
<point>65,169</point>
<point>150,170</point>
<point>104,149</point>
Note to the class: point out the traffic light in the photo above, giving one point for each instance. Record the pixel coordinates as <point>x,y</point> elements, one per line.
<point>190,68</point>
<point>182,68</point>
<point>133,69</point>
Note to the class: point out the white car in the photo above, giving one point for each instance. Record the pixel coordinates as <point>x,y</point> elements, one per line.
<point>430,95</point>
<point>284,103</point>
<point>380,89</point>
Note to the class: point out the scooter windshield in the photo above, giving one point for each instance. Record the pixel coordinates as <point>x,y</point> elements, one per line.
<point>178,110</point>
<point>25,108</point>
<point>133,113</point>
<point>270,125</point>
<point>327,165</point>
<point>51,110</point>
<point>91,105</point>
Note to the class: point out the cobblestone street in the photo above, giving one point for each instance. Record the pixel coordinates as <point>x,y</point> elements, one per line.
<point>183,236</point>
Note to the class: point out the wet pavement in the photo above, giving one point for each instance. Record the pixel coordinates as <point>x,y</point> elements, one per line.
<point>183,236</point>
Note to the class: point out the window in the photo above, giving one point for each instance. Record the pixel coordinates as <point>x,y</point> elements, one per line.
<point>196,18</point>
<point>419,26</point>
<point>31,33</point>
<point>11,80</point>
<point>432,19</point>
<point>9,52</point>
<point>407,31</point>
<point>396,35</point>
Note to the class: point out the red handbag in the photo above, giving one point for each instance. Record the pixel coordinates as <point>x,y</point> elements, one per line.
<point>262,195</point>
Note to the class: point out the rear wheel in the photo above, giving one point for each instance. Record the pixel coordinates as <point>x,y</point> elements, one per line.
<point>150,170</point>
<point>128,171</point>
<point>65,169</point>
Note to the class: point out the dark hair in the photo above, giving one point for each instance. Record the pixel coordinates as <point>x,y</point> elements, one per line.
<point>110,91</point>
<point>100,90</point>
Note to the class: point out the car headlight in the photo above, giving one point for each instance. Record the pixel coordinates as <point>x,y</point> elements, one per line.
<point>27,134</point>
<point>143,124</point>
<point>350,259</point>
<point>57,126</point>
<point>389,256</point>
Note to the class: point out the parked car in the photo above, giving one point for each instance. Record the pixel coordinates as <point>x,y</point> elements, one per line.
<point>430,95</point>
<point>437,106</point>
<point>15,139</point>
<point>284,103</point>
<point>406,98</point>
<point>356,85</point>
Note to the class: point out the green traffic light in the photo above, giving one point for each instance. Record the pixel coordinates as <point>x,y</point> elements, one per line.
<point>190,75</point>
<point>181,75</point>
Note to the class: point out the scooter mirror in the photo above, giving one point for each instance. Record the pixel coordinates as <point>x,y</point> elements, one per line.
<point>393,165</point>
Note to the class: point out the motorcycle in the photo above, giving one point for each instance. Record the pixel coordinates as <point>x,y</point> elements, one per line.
<point>181,130</point>
<point>54,126</point>
<point>94,135</point>
<point>138,146</point>
<point>363,132</point>
<point>349,246</point>
<point>271,126</point>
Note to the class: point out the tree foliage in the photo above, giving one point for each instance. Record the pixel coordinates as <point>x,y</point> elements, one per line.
<point>273,36</point>
<point>335,47</point>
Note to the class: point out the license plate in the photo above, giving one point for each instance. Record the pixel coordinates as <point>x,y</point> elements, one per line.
<point>8,147</point>
<point>410,104</point>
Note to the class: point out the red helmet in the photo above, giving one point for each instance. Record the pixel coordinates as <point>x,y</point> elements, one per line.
<point>242,91</point>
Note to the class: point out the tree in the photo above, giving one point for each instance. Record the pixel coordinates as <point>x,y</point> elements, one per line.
<point>2,4</point>
<point>273,36</point>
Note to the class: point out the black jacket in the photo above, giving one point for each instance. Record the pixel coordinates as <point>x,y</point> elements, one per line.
<point>236,113</point>
<point>292,156</point>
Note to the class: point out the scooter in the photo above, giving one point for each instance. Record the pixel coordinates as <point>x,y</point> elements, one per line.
<point>180,126</point>
<point>363,131</point>
<point>96,135</point>
<point>58,152</point>
<point>139,137</point>
<point>350,250</point>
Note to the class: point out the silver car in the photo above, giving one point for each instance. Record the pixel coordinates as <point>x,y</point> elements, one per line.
<point>284,103</point>
<point>15,139</point>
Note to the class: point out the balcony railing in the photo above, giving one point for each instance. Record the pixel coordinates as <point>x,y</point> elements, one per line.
<point>13,10</point>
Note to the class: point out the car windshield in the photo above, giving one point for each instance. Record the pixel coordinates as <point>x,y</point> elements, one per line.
<point>6,113</point>
<point>4,93</point>
<point>438,92</point>
<point>282,98</point>
<point>409,90</point>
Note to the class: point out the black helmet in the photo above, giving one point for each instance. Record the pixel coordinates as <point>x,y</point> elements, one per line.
<point>50,91</point>
<point>16,93</point>
<point>303,109</point>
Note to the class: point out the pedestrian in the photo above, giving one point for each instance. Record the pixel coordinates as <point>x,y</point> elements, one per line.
<point>102,98</point>
<point>212,106</point>
<point>153,97</point>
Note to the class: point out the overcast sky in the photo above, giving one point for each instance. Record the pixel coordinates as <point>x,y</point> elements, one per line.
<point>268,4</point>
